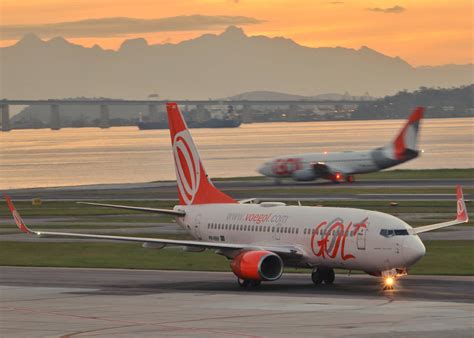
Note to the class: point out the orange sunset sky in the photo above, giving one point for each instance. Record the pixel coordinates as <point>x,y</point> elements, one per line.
<point>421,32</point>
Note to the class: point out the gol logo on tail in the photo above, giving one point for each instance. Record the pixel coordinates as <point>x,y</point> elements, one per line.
<point>187,163</point>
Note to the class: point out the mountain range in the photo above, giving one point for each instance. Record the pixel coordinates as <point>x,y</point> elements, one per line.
<point>210,66</point>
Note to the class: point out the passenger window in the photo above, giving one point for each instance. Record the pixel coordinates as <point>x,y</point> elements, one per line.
<point>297,230</point>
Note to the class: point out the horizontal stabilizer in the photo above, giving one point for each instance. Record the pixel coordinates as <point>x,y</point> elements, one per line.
<point>127,207</point>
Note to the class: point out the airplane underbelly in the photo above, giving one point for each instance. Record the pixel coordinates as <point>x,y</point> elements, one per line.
<point>363,167</point>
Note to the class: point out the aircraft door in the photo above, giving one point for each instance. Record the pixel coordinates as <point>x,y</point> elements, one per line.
<point>361,235</point>
<point>276,233</point>
<point>197,226</point>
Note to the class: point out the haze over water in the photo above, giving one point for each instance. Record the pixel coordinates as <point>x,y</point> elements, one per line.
<point>41,158</point>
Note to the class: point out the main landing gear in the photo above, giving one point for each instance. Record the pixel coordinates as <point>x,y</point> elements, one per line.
<point>322,274</point>
<point>349,179</point>
<point>248,284</point>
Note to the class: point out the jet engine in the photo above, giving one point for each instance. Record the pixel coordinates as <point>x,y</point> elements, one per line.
<point>257,266</point>
<point>304,175</point>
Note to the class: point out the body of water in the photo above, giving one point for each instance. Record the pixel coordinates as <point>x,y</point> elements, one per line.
<point>40,158</point>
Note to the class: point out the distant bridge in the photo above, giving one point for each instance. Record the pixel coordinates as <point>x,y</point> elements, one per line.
<point>152,106</point>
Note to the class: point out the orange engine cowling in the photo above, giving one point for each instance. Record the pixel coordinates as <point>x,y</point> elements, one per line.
<point>257,265</point>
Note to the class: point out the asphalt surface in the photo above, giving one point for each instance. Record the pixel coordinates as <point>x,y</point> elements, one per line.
<point>99,302</point>
<point>248,189</point>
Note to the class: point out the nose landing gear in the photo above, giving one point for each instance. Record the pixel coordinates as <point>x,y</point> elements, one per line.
<point>322,274</point>
<point>388,283</point>
<point>390,278</point>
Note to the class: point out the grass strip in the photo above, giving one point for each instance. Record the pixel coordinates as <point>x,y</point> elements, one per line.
<point>442,257</point>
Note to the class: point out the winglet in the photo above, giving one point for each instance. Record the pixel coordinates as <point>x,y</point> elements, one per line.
<point>461,215</point>
<point>16,216</point>
<point>461,207</point>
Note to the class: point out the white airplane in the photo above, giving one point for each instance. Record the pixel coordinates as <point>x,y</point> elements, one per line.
<point>260,239</point>
<point>342,166</point>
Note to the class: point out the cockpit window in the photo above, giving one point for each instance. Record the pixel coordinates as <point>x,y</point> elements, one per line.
<point>390,232</point>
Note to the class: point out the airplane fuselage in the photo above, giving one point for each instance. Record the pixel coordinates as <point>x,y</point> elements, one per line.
<point>347,238</point>
<point>306,167</point>
<point>339,166</point>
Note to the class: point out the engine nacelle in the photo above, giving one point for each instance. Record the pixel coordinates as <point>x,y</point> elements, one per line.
<point>257,265</point>
<point>304,175</point>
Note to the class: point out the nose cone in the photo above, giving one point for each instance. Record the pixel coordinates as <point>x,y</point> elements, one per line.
<point>413,250</point>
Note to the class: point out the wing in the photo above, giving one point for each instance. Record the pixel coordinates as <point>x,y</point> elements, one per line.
<point>127,207</point>
<point>148,242</point>
<point>461,217</point>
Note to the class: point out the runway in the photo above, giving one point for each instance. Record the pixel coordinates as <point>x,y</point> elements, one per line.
<point>262,189</point>
<point>80,302</point>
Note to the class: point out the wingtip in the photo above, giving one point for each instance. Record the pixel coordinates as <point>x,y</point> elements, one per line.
<point>9,202</point>
<point>16,216</point>
<point>171,106</point>
<point>462,215</point>
<point>417,114</point>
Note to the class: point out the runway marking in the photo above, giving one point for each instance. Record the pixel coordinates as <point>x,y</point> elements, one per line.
<point>131,323</point>
<point>406,194</point>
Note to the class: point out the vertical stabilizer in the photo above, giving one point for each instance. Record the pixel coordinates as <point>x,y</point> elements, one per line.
<point>405,144</point>
<point>194,187</point>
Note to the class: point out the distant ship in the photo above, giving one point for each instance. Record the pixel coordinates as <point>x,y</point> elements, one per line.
<point>229,120</point>
<point>212,123</point>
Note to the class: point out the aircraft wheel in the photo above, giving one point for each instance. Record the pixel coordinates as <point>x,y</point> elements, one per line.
<point>329,276</point>
<point>243,283</point>
<point>247,284</point>
<point>255,283</point>
<point>316,276</point>
<point>325,275</point>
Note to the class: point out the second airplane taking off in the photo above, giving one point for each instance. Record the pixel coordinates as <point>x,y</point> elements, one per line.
<point>260,239</point>
<point>342,166</point>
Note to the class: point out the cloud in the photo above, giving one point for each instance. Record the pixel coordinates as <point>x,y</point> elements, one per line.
<point>390,10</point>
<point>113,27</point>
<point>336,2</point>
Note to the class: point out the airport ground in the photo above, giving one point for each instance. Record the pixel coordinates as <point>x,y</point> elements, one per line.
<point>58,302</point>
<point>419,197</point>
<point>75,296</point>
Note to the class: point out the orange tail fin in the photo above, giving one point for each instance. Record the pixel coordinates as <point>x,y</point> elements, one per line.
<point>408,137</point>
<point>194,187</point>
